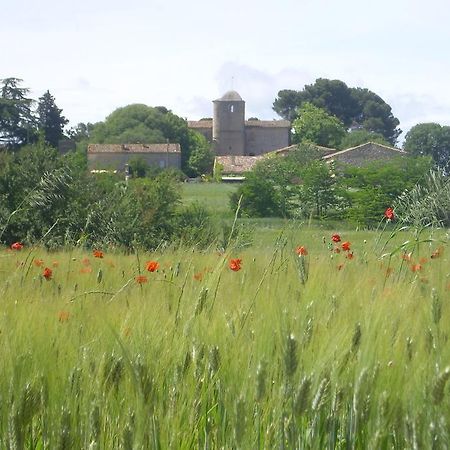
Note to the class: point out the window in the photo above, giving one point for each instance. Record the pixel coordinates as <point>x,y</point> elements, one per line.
<point>232,108</point>
<point>162,163</point>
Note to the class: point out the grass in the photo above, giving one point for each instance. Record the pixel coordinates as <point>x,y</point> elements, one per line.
<point>319,351</point>
<point>214,196</point>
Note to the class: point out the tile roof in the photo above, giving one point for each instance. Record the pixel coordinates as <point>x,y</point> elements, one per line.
<point>237,164</point>
<point>134,148</point>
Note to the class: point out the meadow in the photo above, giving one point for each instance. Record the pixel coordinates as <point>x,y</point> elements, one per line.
<point>308,342</point>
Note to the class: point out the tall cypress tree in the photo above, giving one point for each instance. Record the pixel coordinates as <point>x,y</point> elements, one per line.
<point>50,120</point>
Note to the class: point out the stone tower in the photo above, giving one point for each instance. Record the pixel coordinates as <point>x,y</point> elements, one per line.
<point>229,125</point>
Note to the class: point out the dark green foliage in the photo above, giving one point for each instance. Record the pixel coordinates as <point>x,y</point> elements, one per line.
<point>201,159</point>
<point>372,189</point>
<point>430,139</point>
<point>317,126</point>
<point>352,106</point>
<point>50,120</point>
<point>260,197</point>
<point>52,199</point>
<point>296,184</point>
<point>359,137</point>
<point>17,123</point>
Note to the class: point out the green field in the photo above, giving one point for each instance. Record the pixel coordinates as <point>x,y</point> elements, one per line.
<point>315,351</point>
<point>214,196</point>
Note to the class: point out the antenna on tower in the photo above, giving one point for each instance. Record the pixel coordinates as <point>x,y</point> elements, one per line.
<point>232,82</point>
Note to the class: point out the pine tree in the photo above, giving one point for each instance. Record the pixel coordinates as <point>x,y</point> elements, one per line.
<point>17,123</point>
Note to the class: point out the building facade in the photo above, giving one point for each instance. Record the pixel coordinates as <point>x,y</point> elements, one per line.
<point>117,156</point>
<point>231,134</point>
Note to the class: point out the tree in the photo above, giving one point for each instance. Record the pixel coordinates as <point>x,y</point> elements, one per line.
<point>315,125</point>
<point>140,123</point>
<point>17,123</point>
<point>359,137</point>
<point>201,159</point>
<point>430,139</point>
<point>317,192</point>
<point>50,120</point>
<point>354,107</point>
<point>374,114</point>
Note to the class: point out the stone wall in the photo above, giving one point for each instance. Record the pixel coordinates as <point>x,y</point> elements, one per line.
<point>260,140</point>
<point>117,161</point>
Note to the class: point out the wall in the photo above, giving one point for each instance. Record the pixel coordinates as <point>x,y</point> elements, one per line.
<point>260,140</point>
<point>117,161</point>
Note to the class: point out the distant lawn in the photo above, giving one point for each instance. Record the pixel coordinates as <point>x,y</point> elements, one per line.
<point>214,196</point>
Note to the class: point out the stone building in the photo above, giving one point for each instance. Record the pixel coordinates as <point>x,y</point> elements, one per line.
<point>364,154</point>
<point>231,134</point>
<point>116,156</point>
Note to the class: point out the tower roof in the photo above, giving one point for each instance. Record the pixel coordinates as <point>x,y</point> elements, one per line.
<point>231,96</point>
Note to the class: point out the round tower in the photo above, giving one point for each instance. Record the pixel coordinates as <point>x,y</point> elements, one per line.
<point>229,124</point>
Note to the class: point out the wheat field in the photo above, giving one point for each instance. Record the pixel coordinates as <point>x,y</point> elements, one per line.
<point>303,343</point>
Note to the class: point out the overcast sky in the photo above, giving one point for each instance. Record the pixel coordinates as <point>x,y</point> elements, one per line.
<point>97,55</point>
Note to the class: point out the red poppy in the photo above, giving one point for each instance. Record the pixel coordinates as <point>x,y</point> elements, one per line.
<point>17,246</point>
<point>336,238</point>
<point>55,263</point>
<point>301,251</point>
<point>85,261</point>
<point>86,270</point>
<point>198,276</point>
<point>416,267</point>
<point>346,246</point>
<point>98,254</point>
<point>63,316</point>
<point>152,266</point>
<point>406,256</point>
<point>337,250</point>
<point>47,273</point>
<point>141,279</point>
<point>349,255</point>
<point>235,264</point>
<point>38,262</point>
<point>389,214</point>
<point>423,260</point>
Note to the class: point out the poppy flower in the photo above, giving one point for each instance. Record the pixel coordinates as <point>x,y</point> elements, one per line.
<point>38,262</point>
<point>141,279</point>
<point>346,246</point>
<point>47,273</point>
<point>406,256</point>
<point>198,276</point>
<point>152,266</point>
<point>86,270</point>
<point>63,316</point>
<point>349,255</point>
<point>389,214</point>
<point>337,250</point>
<point>85,262</point>
<point>17,246</point>
<point>416,267</point>
<point>301,251</point>
<point>235,264</point>
<point>98,254</point>
<point>336,238</point>
<point>55,263</point>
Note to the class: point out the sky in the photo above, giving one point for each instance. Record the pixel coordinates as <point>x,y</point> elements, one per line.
<point>95,56</point>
